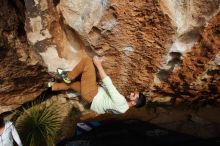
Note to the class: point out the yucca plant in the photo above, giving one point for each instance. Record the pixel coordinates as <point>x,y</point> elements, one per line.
<point>38,125</point>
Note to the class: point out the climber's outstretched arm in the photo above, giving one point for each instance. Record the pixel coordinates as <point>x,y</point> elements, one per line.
<point>98,63</point>
<point>116,97</point>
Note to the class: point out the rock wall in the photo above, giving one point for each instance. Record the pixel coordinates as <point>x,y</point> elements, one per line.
<point>58,46</point>
<point>190,14</point>
<point>197,76</point>
<point>21,75</point>
<point>165,48</point>
<point>191,69</point>
<point>133,36</point>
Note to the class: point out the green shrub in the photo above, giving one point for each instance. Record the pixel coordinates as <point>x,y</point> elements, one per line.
<point>39,125</point>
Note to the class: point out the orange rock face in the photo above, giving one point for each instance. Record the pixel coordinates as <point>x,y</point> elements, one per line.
<point>197,77</point>
<point>133,36</point>
<point>148,46</point>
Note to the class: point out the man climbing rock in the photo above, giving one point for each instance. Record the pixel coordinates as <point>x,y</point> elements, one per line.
<point>105,98</point>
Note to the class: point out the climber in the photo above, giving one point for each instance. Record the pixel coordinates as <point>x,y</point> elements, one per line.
<point>105,98</point>
<point>8,134</point>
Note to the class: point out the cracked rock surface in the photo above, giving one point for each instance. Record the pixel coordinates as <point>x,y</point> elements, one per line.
<point>148,46</point>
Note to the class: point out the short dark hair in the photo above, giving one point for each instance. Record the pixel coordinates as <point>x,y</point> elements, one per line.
<point>2,122</point>
<point>141,101</point>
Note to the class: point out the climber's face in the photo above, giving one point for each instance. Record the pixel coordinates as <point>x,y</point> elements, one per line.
<point>132,99</point>
<point>133,96</point>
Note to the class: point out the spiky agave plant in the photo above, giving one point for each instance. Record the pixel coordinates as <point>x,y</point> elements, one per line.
<point>38,125</point>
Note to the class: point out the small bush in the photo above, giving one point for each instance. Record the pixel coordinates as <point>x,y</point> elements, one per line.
<point>39,125</point>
